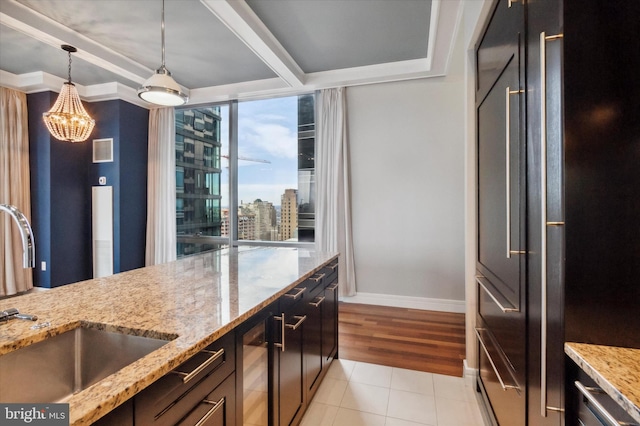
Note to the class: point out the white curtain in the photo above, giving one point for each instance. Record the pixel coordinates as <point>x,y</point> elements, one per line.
<point>14,189</point>
<point>333,230</point>
<point>161,188</point>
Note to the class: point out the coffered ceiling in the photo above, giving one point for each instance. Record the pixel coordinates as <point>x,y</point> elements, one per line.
<point>222,49</point>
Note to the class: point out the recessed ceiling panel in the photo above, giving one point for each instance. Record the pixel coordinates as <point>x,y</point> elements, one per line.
<point>21,54</point>
<point>322,35</point>
<point>200,50</point>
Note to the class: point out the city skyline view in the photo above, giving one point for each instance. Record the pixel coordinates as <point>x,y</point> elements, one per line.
<point>275,172</point>
<point>267,131</point>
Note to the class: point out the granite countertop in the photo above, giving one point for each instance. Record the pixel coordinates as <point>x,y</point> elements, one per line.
<point>198,299</point>
<point>615,370</point>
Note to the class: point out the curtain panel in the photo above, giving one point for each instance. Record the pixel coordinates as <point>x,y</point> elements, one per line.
<point>14,189</point>
<point>161,188</point>
<point>333,229</point>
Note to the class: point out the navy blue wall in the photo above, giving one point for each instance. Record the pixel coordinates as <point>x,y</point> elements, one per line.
<point>59,201</point>
<point>134,136</point>
<point>62,175</point>
<point>128,125</point>
<point>40,167</point>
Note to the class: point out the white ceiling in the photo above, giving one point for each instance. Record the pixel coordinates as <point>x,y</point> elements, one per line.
<point>222,49</point>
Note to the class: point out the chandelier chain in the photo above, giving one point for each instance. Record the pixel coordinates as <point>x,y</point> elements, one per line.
<point>69,66</point>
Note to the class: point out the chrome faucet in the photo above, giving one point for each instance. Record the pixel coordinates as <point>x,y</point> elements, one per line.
<point>28,244</point>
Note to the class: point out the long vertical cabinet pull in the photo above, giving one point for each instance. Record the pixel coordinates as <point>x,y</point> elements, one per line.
<point>507,147</point>
<point>543,220</point>
<point>282,326</point>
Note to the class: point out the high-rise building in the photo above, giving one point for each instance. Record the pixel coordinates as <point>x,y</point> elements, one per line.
<point>289,215</point>
<point>265,219</point>
<point>197,177</point>
<point>306,167</point>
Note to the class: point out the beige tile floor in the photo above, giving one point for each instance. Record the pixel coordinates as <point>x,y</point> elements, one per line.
<point>360,394</point>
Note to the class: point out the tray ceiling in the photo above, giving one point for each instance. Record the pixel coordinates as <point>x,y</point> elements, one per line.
<point>222,49</point>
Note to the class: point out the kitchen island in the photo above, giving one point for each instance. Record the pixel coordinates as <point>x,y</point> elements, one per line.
<point>190,303</point>
<point>614,370</point>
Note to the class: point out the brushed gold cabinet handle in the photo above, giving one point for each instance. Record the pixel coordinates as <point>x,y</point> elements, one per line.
<point>508,93</point>
<point>543,221</point>
<point>187,377</point>
<point>298,324</point>
<point>317,278</point>
<point>588,392</point>
<point>493,365</point>
<point>282,325</point>
<point>480,280</point>
<point>298,294</point>
<point>216,406</point>
<point>318,303</point>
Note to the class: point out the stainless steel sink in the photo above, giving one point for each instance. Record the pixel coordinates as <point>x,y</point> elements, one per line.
<point>56,368</point>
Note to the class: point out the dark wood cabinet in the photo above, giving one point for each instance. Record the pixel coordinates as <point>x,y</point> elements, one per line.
<point>185,391</point>
<point>263,373</point>
<point>289,358</point>
<point>579,202</point>
<point>121,416</point>
<point>501,191</point>
<point>321,335</point>
<point>303,357</point>
<point>584,197</point>
<point>316,305</point>
<point>218,408</point>
<point>330,320</point>
<point>588,404</point>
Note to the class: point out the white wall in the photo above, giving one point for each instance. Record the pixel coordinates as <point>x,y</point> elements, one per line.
<point>407,146</point>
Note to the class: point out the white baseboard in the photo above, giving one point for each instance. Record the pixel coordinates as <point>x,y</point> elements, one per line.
<point>470,374</point>
<point>425,303</point>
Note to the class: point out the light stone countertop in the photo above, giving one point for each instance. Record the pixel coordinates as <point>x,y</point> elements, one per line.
<point>615,370</point>
<point>198,299</point>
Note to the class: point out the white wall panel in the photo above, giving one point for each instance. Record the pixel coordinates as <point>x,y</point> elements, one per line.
<point>408,185</point>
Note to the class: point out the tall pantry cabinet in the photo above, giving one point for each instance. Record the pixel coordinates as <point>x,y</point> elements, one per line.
<point>501,279</point>
<point>561,195</point>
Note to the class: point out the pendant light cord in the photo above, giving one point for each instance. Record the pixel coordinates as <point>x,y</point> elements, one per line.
<point>162,31</point>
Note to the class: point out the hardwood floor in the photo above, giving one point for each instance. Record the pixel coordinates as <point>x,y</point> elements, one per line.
<point>405,338</point>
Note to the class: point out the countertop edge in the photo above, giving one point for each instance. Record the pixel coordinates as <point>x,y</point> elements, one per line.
<point>575,351</point>
<point>117,400</point>
<point>99,399</point>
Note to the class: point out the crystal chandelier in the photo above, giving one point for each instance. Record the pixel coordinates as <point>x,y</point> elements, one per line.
<point>161,88</point>
<point>67,119</point>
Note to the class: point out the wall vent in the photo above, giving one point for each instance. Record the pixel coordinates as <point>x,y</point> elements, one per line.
<point>103,150</point>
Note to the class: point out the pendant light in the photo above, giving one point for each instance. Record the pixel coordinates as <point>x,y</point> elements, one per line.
<point>67,119</point>
<point>161,88</point>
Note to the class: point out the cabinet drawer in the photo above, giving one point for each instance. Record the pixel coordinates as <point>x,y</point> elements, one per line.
<point>218,408</point>
<point>595,407</point>
<point>301,292</point>
<point>507,396</point>
<point>331,271</point>
<point>167,400</point>
<point>507,325</point>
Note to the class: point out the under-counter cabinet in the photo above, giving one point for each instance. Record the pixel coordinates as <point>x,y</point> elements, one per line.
<point>588,404</point>
<point>199,391</point>
<point>288,374</point>
<point>308,330</point>
<point>285,350</point>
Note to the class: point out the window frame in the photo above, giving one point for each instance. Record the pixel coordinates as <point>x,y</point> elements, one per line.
<point>232,239</point>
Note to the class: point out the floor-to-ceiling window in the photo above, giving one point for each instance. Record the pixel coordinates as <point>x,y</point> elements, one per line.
<point>245,173</point>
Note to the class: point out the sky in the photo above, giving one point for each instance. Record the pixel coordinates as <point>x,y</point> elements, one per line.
<point>267,130</point>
